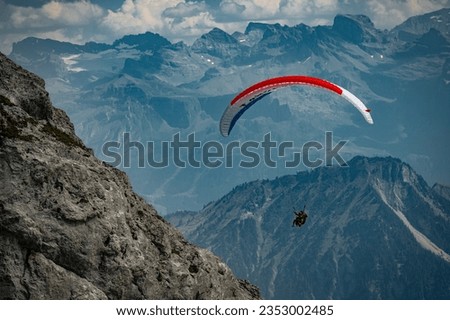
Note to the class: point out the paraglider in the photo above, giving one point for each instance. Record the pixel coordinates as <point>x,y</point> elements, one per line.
<point>300,217</point>
<point>256,92</point>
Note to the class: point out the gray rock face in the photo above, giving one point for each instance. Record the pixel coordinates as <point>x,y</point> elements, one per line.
<point>72,228</point>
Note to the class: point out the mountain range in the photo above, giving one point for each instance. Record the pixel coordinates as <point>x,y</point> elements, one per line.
<point>154,89</point>
<point>375,230</point>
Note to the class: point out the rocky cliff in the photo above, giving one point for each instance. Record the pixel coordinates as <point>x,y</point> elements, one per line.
<point>72,228</point>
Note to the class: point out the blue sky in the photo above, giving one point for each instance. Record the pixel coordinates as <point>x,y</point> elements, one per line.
<point>80,21</point>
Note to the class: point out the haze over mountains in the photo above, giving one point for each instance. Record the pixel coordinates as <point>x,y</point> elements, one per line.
<point>153,89</point>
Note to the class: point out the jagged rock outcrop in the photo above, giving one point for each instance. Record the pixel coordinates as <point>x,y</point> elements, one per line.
<point>355,28</point>
<point>72,228</point>
<point>217,43</point>
<point>416,26</point>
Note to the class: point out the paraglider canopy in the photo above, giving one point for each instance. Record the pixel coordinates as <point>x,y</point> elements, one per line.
<point>254,93</point>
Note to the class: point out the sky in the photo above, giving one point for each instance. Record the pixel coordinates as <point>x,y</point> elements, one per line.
<point>80,21</point>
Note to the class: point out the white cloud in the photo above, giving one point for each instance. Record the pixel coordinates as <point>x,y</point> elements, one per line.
<point>231,7</point>
<point>388,14</point>
<point>175,19</point>
<point>305,8</point>
<point>66,21</point>
<point>55,13</point>
<point>246,10</point>
<point>138,15</point>
<point>185,9</point>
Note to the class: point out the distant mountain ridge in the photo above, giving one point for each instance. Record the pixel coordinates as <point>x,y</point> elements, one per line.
<point>143,42</point>
<point>418,25</point>
<point>375,230</point>
<point>153,89</point>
